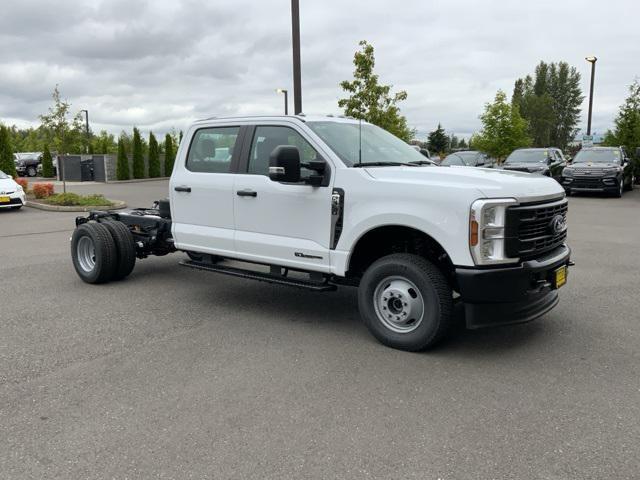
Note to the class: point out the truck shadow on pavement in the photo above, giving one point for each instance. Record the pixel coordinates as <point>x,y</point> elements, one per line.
<point>339,310</point>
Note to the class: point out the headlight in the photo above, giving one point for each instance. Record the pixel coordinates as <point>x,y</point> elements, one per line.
<point>612,171</point>
<point>19,188</point>
<point>487,221</point>
<point>567,172</point>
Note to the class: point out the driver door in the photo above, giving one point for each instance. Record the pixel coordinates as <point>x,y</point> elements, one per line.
<point>281,223</point>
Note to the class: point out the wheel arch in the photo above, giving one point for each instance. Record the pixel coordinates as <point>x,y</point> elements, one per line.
<point>386,239</point>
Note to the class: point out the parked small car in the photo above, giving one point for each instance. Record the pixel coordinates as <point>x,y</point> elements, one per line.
<point>542,161</point>
<point>468,158</point>
<point>599,169</point>
<point>11,194</point>
<point>27,163</point>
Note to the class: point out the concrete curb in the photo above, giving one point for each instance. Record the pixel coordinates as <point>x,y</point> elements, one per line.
<point>117,205</point>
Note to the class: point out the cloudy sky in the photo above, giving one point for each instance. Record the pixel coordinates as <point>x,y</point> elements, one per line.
<point>159,64</point>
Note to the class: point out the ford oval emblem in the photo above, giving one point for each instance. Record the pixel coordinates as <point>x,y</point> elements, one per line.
<point>557,224</point>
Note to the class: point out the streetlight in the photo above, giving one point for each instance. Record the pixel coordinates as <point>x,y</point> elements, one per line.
<point>286,99</point>
<point>592,60</point>
<point>86,126</point>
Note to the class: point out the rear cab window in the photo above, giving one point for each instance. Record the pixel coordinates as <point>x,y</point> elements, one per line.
<point>211,149</point>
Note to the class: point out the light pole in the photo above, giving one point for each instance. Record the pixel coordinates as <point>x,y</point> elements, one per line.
<point>295,37</point>
<point>286,99</point>
<point>592,60</point>
<point>86,126</point>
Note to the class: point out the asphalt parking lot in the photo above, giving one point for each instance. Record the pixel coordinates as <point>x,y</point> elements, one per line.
<point>176,373</point>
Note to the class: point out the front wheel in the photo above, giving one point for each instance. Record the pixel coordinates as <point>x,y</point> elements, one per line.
<point>406,302</point>
<point>32,171</point>
<point>620,190</point>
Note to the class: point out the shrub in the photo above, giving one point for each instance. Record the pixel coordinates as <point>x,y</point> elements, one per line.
<point>169,156</point>
<point>47,163</point>
<point>42,190</point>
<point>154,158</point>
<point>73,199</point>
<point>7,165</point>
<point>138,158</point>
<point>23,182</point>
<point>122,164</point>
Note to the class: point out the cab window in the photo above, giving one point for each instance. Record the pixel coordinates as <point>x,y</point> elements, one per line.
<point>267,138</point>
<point>211,150</point>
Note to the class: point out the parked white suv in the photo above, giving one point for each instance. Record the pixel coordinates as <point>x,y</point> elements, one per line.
<point>317,202</point>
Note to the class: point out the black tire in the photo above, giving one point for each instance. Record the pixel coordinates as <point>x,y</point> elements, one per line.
<point>434,293</point>
<point>125,248</point>
<point>620,189</point>
<point>105,255</point>
<point>32,171</point>
<point>629,187</point>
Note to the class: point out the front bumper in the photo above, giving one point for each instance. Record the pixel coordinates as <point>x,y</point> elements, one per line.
<point>591,184</point>
<point>16,199</point>
<point>502,296</point>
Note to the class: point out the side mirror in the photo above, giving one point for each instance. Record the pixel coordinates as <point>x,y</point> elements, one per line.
<point>284,164</point>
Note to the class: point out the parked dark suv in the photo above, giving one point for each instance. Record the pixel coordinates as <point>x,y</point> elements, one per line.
<point>599,169</point>
<point>27,163</point>
<point>543,161</point>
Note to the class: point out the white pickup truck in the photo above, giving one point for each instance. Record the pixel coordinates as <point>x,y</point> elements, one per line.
<point>319,202</point>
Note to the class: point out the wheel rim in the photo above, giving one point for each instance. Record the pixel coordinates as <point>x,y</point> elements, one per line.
<point>398,304</point>
<point>621,187</point>
<point>86,253</point>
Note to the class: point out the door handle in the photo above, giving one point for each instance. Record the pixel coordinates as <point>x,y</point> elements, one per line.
<point>182,188</point>
<point>247,193</point>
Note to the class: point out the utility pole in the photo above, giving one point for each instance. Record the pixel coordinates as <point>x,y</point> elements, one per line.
<point>592,60</point>
<point>295,34</point>
<point>86,127</point>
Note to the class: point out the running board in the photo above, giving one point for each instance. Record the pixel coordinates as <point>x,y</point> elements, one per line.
<point>263,277</point>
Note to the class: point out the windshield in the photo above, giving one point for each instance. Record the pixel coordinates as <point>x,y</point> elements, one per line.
<point>378,145</point>
<point>598,156</point>
<point>461,158</point>
<point>3,176</point>
<point>528,156</point>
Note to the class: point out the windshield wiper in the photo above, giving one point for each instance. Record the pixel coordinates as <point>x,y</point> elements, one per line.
<point>384,164</point>
<point>422,162</point>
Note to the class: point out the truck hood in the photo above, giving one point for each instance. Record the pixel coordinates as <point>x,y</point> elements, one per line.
<point>490,183</point>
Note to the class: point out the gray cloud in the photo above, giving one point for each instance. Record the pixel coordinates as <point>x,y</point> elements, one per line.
<point>159,64</point>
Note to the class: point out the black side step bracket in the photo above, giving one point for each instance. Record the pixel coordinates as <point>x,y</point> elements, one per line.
<point>263,277</point>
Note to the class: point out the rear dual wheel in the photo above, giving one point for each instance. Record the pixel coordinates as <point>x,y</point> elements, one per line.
<point>102,252</point>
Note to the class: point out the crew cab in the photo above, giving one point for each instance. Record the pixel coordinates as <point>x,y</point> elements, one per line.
<point>542,161</point>
<point>321,202</point>
<point>599,169</point>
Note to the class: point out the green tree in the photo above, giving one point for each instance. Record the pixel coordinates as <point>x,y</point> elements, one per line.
<point>627,125</point>
<point>550,102</point>
<point>122,163</point>
<point>154,157</point>
<point>503,129</point>
<point>437,140</point>
<point>64,132</point>
<point>104,142</point>
<point>138,155</point>
<point>47,163</point>
<point>7,164</point>
<point>169,155</point>
<point>371,101</point>
<point>462,143</point>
